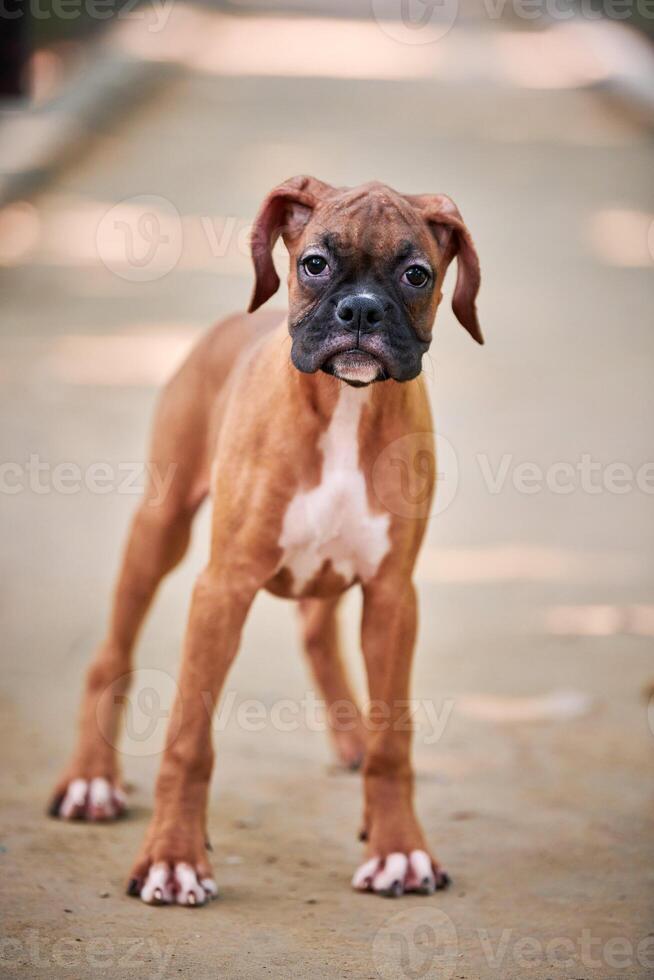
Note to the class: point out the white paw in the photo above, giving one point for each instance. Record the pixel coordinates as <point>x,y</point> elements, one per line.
<point>399,873</point>
<point>95,799</point>
<point>180,885</point>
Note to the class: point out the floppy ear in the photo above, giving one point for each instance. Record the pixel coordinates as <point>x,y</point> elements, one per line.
<point>451,233</point>
<point>285,211</point>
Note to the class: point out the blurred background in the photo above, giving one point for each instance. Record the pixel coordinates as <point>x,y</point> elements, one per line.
<point>136,143</point>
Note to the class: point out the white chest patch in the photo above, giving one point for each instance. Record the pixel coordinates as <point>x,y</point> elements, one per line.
<point>333,522</point>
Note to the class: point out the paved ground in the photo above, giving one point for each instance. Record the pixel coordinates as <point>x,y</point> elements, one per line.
<point>533,750</point>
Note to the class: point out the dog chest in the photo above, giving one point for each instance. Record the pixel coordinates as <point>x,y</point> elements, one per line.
<point>332,522</point>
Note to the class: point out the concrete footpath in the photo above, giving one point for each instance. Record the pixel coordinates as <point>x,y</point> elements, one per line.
<point>534,743</point>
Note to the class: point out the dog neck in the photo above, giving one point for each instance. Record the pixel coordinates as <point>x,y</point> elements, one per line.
<point>321,393</point>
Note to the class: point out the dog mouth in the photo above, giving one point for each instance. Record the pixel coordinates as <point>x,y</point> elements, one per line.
<point>355,366</point>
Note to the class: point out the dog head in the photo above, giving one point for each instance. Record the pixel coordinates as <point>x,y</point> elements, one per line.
<point>366,275</point>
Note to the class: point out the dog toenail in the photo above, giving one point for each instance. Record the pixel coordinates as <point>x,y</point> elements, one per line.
<point>53,809</point>
<point>133,887</point>
<point>192,900</point>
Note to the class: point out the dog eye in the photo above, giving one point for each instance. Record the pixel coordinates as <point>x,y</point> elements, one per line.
<point>416,275</point>
<point>314,264</point>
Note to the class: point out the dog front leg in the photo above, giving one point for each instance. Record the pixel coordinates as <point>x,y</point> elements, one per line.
<point>172,866</point>
<point>398,858</point>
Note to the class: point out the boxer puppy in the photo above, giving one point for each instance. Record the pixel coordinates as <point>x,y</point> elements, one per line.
<point>309,452</point>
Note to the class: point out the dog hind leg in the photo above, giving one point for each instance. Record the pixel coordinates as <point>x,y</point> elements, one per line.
<point>320,636</point>
<point>159,535</point>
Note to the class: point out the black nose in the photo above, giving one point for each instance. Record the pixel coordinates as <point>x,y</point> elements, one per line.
<point>360,312</point>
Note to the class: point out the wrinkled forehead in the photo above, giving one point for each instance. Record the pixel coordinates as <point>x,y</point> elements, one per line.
<point>371,221</point>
